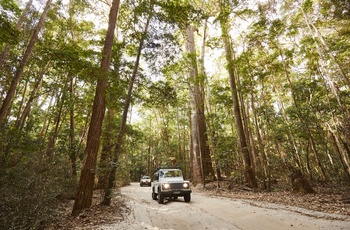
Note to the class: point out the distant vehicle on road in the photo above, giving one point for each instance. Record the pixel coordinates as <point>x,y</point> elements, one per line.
<point>169,182</point>
<point>145,180</point>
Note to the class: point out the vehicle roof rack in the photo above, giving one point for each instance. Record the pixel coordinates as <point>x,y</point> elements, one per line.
<point>167,167</point>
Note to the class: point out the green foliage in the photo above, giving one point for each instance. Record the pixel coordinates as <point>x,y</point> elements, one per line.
<point>10,5</point>
<point>307,5</point>
<point>30,183</point>
<point>339,9</point>
<point>181,13</point>
<point>8,32</point>
<point>161,94</point>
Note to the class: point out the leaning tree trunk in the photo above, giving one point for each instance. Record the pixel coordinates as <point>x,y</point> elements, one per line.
<point>342,155</point>
<point>18,74</point>
<point>86,183</point>
<point>248,174</point>
<point>111,177</point>
<point>32,97</point>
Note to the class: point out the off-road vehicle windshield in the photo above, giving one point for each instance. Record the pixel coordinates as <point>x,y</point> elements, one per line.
<point>171,173</point>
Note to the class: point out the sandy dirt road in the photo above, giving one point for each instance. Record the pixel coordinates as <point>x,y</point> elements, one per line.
<point>215,213</point>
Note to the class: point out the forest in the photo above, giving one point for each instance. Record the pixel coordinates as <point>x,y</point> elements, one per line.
<point>96,93</point>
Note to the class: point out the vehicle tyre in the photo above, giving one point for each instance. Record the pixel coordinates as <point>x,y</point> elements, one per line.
<point>187,197</point>
<point>160,198</point>
<point>154,195</point>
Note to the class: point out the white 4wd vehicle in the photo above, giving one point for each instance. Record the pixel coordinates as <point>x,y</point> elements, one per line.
<point>145,180</point>
<point>169,182</point>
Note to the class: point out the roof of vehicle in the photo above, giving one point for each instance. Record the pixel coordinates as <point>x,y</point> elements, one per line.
<point>166,167</point>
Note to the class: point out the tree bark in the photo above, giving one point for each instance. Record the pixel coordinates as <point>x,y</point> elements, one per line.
<point>86,183</point>
<point>53,134</point>
<point>106,153</point>
<point>111,177</point>
<point>72,144</point>
<point>33,95</point>
<point>18,74</point>
<point>202,164</point>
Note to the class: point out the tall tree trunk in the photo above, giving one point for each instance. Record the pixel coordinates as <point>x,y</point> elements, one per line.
<point>202,73</point>
<point>6,49</point>
<point>111,177</point>
<point>149,149</point>
<point>47,118</point>
<point>86,183</point>
<point>106,153</point>
<point>72,144</point>
<point>33,95</point>
<point>197,166</point>
<point>248,174</point>
<point>18,74</point>
<point>22,100</point>
<point>202,165</point>
<point>54,132</point>
<point>263,162</point>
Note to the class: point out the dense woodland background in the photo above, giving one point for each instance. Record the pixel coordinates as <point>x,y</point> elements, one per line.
<point>252,92</point>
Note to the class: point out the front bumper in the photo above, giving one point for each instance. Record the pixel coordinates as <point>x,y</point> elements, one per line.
<point>181,192</point>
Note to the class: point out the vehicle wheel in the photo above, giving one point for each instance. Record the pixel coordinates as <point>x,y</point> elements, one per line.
<point>141,184</point>
<point>160,198</point>
<point>187,197</point>
<point>154,195</point>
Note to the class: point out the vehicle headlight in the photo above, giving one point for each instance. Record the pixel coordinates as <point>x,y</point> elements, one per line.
<point>186,185</point>
<point>166,186</point>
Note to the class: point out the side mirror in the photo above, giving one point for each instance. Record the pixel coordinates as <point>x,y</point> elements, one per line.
<point>156,176</point>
